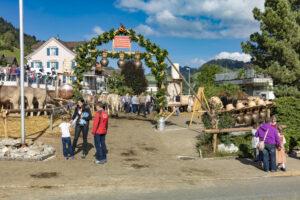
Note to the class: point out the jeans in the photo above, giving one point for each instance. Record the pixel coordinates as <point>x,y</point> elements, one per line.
<point>269,154</point>
<point>134,108</point>
<point>142,107</point>
<point>85,130</point>
<point>99,140</point>
<point>67,140</point>
<point>127,107</point>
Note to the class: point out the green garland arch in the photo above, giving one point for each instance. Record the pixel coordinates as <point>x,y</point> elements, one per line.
<point>158,67</point>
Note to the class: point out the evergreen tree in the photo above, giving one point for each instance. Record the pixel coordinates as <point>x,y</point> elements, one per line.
<point>134,78</point>
<point>276,49</point>
<point>116,84</point>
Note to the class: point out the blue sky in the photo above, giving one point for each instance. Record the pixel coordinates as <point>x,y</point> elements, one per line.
<point>193,31</point>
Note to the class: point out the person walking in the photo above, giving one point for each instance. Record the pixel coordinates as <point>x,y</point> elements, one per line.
<point>99,133</point>
<point>2,74</point>
<point>81,118</point>
<point>254,143</point>
<point>65,128</point>
<point>142,105</point>
<point>269,135</point>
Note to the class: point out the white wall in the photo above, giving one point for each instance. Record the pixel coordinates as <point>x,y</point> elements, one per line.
<point>41,55</point>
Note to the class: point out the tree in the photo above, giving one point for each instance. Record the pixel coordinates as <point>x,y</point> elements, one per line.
<point>116,84</point>
<point>9,39</point>
<point>3,61</point>
<point>134,78</point>
<point>206,76</point>
<point>276,49</point>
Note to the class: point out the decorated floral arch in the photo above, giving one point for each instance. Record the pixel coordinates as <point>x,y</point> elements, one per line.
<point>87,56</point>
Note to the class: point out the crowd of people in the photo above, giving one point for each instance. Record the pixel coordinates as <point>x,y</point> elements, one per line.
<point>12,73</point>
<point>271,153</point>
<point>138,104</point>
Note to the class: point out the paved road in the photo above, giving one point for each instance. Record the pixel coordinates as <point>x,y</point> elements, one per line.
<point>261,188</point>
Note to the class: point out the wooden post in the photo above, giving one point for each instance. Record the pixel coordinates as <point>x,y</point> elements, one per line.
<point>51,121</point>
<point>215,139</point>
<point>268,113</point>
<point>4,117</point>
<point>57,83</point>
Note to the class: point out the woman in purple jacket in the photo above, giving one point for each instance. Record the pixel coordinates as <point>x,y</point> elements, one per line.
<point>271,142</point>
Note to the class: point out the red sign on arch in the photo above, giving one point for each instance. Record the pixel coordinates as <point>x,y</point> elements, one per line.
<point>121,42</point>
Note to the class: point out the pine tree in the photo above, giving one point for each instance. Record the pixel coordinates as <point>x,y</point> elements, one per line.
<point>276,49</point>
<point>134,78</point>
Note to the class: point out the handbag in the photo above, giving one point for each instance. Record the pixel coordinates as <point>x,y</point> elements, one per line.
<point>261,144</point>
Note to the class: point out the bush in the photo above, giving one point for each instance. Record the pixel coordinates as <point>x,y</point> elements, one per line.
<point>287,111</point>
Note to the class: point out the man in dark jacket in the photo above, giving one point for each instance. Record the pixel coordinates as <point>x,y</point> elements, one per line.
<point>82,115</point>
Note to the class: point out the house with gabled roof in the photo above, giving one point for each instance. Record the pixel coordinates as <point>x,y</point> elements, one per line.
<point>51,54</point>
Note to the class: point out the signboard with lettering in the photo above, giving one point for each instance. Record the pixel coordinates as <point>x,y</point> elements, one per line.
<point>121,42</point>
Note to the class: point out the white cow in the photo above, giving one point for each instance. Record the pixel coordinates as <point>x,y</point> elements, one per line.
<point>112,103</point>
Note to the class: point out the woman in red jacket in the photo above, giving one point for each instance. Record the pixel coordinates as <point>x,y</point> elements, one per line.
<point>99,133</point>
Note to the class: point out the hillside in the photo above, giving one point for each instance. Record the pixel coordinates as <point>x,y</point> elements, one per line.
<point>9,40</point>
<point>227,64</point>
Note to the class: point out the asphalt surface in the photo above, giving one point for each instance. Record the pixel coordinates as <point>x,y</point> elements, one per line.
<point>258,188</point>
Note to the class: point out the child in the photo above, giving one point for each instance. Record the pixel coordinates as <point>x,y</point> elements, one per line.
<point>66,137</point>
<point>254,143</point>
<point>280,154</point>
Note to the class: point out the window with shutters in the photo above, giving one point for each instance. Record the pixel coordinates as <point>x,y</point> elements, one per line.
<point>52,51</point>
<point>53,64</point>
<point>37,65</point>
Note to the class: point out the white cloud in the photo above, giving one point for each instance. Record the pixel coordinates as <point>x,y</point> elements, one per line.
<point>197,62</point>
<point>97,30</point>
<point>145,30</point>
<point>234,56</point>
<point>197,18</point>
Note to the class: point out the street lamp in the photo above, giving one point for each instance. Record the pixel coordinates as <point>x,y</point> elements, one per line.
<point>188,68</point>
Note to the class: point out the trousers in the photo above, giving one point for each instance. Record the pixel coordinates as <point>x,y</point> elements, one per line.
<point>84,129</point>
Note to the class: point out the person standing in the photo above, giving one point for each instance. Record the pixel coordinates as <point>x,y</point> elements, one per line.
<point>148,103</point>
<point>99,133</point>
<point>126,103</point>
<point>280,154</point>
<point>254,143</point>
<point>2,74</point>
<point>142,105</point>
<point>81,118</point>
<point>269,135</point>
<point>135,103</point>
<point>7,69</point>
<point>65,128</point>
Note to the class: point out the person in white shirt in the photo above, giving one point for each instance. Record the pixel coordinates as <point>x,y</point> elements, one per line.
<point>65,128</point>
<point>254,143</point>
<point>148,103</point>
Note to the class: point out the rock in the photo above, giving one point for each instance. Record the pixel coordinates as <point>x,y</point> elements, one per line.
<point>228,148</point>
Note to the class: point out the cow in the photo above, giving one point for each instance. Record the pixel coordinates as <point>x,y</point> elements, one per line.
<point>112,103</point>
<point>10,94</point>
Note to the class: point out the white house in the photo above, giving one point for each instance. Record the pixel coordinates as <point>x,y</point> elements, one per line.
<point>51,54</point>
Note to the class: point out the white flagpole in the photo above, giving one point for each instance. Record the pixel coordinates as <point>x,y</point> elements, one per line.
<point>22,72</point>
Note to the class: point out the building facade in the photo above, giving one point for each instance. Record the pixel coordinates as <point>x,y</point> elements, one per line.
<point>51,54</point>
<point>253,84</point>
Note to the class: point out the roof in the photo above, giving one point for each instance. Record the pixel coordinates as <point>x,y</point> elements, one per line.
<point>11,59</point>
<point>70,45</point>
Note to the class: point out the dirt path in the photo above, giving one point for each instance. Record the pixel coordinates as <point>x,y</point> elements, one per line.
<point>138,155</point>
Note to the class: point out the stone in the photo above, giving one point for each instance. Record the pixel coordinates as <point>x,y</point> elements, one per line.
<point>228,148</point>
